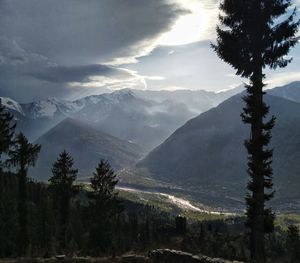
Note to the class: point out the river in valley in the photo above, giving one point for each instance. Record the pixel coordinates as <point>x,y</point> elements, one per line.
<point>180,202</point>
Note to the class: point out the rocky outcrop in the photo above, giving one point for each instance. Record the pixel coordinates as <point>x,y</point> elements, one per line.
<point>124,259</point>
<point>174,256</point>
<point>155,256</point>
<point>134,259</point>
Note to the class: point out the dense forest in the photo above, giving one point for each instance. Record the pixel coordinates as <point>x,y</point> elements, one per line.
<point>94,229</point>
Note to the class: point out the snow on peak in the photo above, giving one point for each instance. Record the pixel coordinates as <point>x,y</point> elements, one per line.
<point>123,93</point>
<point>118,96</point>
<point>51,106</point>
<point>43,108</point>
<point>113,98</point>
<point>47,108</point>
<point>11,104</point>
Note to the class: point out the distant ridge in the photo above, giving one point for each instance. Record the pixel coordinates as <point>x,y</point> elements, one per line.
<point>290,91</point>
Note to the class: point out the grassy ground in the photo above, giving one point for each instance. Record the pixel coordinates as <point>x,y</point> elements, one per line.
<point>137,177</point>
<point>284,220</point>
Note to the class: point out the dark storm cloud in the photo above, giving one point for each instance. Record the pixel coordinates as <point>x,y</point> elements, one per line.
<point>85,32</point>
<point>46,44</point>
<point>64,74</point>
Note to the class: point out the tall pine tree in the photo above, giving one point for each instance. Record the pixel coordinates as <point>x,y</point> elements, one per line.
<point>255,34</point>
<point>22,155</point>
<point>7,128</point>
<point>63,189</point>
<point>104,205</point>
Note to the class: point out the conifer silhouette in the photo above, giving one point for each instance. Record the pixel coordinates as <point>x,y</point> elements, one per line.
<point>63,189</point>
<point>255,34</point>
<point>7,129</point>
<point>22,155</point>
<point>104,204</point>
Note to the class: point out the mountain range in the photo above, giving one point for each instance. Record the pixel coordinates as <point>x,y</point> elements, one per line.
<point>132,115</point>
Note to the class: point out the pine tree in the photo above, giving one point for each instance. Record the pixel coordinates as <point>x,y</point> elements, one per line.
<point>293,244</point>
<point>103,184</point>
<point>22,155</point>
<point>255,34</point>
<point>63,189</point>
<point>7,129</point>
<point>104,204</point>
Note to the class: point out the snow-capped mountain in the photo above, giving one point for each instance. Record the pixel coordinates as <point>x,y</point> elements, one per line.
<point>48,108</point>
<point>11,105</point>
<point>131,118</point>
<point>51,107</point>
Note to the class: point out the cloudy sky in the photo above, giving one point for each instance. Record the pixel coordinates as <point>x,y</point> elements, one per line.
<point>72,48</point>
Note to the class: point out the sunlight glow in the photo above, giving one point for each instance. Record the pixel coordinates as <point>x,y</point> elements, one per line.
<point>188,28</point>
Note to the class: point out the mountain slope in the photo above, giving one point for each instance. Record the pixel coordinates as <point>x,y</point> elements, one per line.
<point>290,91</point>
<point>207,153</point>
<point>87,146</point>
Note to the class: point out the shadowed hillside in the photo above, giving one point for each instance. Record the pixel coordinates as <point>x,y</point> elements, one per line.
<point>88,145</point>
<point>208,152</point>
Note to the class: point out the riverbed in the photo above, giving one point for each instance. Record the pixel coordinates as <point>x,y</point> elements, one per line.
<point>180,202</point>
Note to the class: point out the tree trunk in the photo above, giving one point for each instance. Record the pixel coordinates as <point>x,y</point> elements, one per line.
<point>22,213</point>
<point>257,233</point>
<point>65,216</point>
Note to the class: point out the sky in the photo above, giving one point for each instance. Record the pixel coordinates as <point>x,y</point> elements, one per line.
<point>73,48</point>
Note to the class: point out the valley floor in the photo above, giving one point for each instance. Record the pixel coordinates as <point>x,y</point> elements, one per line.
<point>180,202</point>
